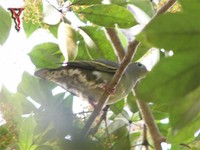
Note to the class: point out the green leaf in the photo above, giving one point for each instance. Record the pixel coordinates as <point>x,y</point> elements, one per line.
<point>86,2</point>
<point>44,147</point>
<point>145,5</point>
<point>118,128</point>
<point>98,45</point>
<point>38,90</point>
<point>176,32</point>
<point>117,107</point>
<point>185,134</point>
<point>190,6</point>
<point>26,133</point>
<point>5,25</point>
<point>54,30</point>
<point>187,110</point>
<point>29,27</point>
<point>174,77</point>
<point>46,55</point>
<point>122,143</point>
<point>108,15</point>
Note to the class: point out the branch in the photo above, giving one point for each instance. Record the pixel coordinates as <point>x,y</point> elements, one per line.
<point>115,80</point>
<point>116,43</point>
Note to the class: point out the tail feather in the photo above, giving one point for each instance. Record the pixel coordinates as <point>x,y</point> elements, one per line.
<point>41,73</point>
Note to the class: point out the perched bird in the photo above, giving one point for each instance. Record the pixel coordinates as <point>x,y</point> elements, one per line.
<point>88,79</point>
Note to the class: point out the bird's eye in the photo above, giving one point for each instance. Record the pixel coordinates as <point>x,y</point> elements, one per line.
<point>139,64</point>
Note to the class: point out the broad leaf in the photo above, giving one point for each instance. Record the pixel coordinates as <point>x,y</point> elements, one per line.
<point>172,78</point>
<point>108,15</point>
<point>26,133</point>
<point>177,32</point>
<point>29,27</point>
<point>46,55</point>
<point>38,90</point>
<point>98,45</point>
<point>5,25</point>
<point>190,6</point>
<point>86,2</point>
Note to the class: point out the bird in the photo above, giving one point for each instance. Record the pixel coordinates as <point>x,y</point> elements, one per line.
<point>88,79</point>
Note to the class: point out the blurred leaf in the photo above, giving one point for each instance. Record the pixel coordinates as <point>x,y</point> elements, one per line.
<point>86,2</point>
<point>5,25</point>
<point>29,27</point>
<point>83,53</point>
<point>117,107</point>
<point>108,15</point>
<point>187,110</point>
<point>98,44</point>
<point>38,90</point>
<point>119,2</point>
<point>46,55</point>
<point>176,32</point>
<point>44,147</point>
<point>174,77</point>
<point>141,51</point>
<point>131,101</point>
<point>145,5</point>
<point>26,133</point>
<point>190,6</point>
<point>118,128</point>
<point>67,41</point>
<point>54,30</point>
<point>122,143</point>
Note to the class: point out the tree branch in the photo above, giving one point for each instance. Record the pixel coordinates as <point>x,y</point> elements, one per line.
<point>115,80</point>
<point>116,43</point>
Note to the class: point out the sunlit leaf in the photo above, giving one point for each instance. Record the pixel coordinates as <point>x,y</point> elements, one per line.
<point>5,25</point>
<point>86,2</point>
<point>176,32</point>
<point>46,55</point>
<point>98,45</point>
<point>67,41</point>
<point>29,27</point>
<point>109,15</point>
<point>26,133</point>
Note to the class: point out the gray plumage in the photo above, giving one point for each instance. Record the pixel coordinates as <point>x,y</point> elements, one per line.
<point>88,79</point>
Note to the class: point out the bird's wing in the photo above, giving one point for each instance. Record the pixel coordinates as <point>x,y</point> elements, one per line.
<point>97,65</point>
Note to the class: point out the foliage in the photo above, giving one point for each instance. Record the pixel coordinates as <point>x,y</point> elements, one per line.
<point>172,87</point>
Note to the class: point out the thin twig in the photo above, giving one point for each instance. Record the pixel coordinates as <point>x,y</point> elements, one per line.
<point>116,43</point>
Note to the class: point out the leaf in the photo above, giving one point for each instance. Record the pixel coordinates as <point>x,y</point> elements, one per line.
<point>190,6</point>
<point>185,134</point>
<point>29,27</point>
<point>118,128</point>
<point>98,44</point>
<point>176,32</point>
<point>117,107</point>
<point>187,110</point>
<point>54,30</point>
<point>174,77</point>
<point>122,143</point>
<point>46,55</point>
<point>5,25</point>
<point>86,2</point>
<point>67,41</point>
<point>108,15</point>
<point>26,133</point>
<point>145,5</point>
<point>38,90</point>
